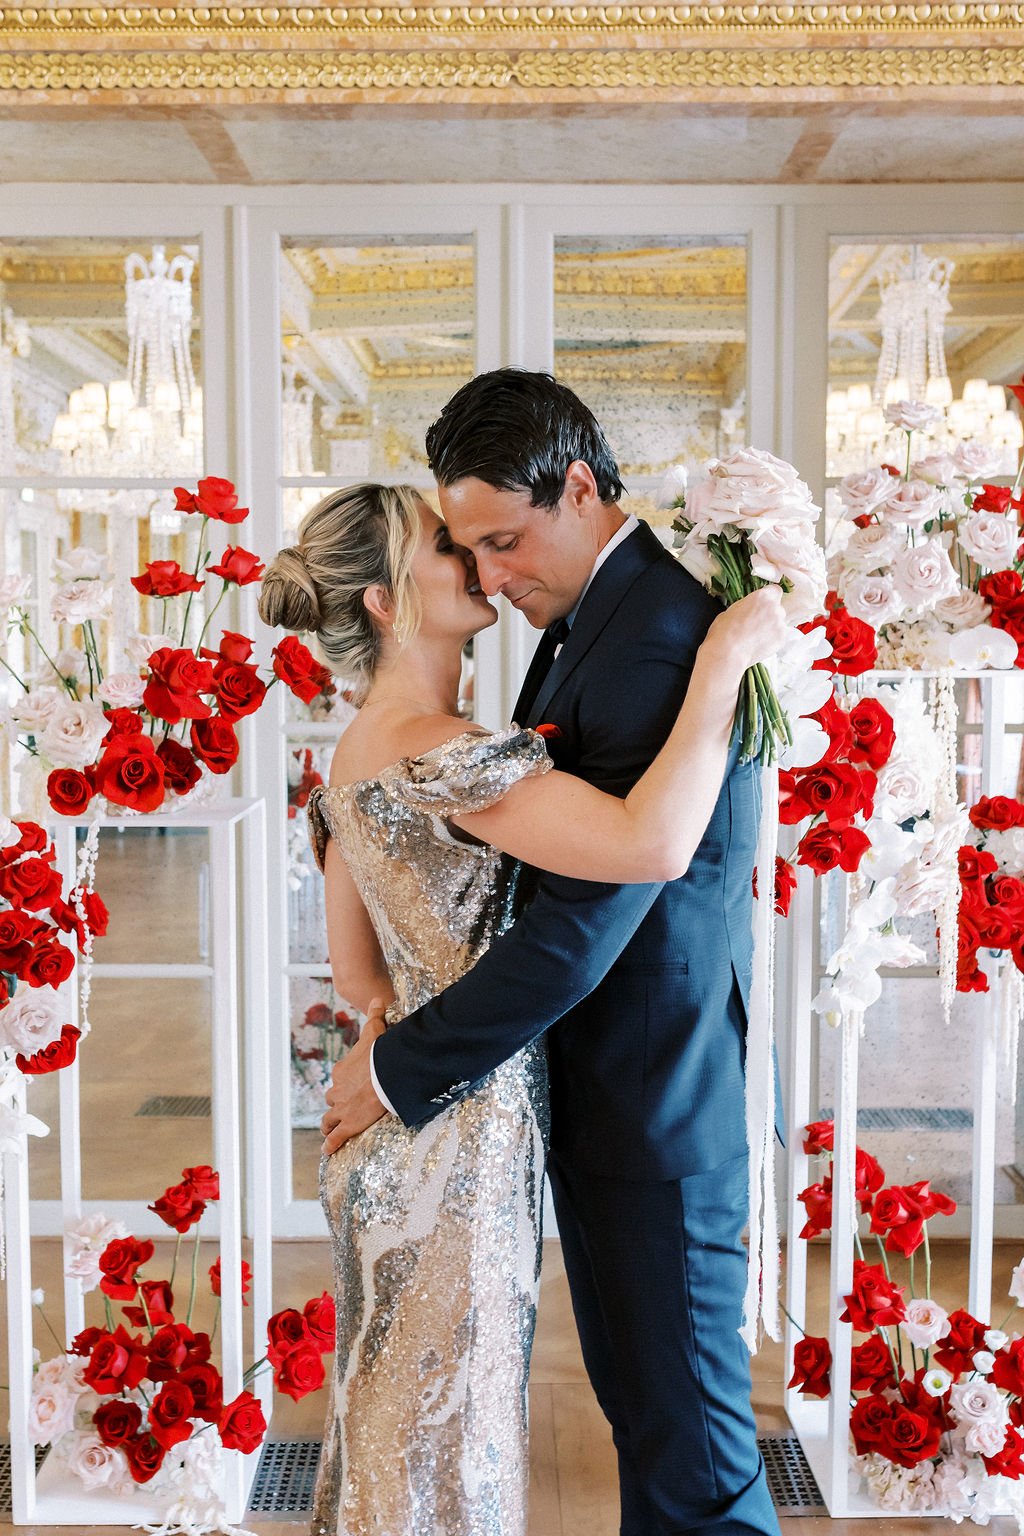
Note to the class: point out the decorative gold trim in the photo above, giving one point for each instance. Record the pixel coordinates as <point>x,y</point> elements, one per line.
<point>618,70</point>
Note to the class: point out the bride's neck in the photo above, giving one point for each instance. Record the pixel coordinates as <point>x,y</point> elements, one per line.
<point>424,674</point>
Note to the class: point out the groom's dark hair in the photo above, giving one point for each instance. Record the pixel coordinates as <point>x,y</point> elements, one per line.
<point>520,431</point>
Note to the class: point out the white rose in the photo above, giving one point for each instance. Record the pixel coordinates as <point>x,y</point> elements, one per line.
<point>977,1402</point>
<point>983,1360</point>
<point>13,589</point>
<point>86,1240</point>
<point>1016,1279</point>
<point>51,1411</point>
<point>122,690</point>
<point>70,661</point>
<point>672,491</point>
<point>923,574</point>
<point>975,460</point>
<point>963,610</point>
<point>913,504</point>
<point>865,491</point>
<point>990,539</point>
<point>785,550</point>
<point>694,556</point>
<point>973,649</point>
<point>748,486</point>
<point>873,599</point>
<point>139,648</point>
<point>871,548</point>
<point>29,1022</point>
<point>925,1322</point>
<point>82,564</point>
<point>73,733</point>
<point>81,601</point>
<point>985,1438</point>
<point>97,1465</point>
<point>32,711</point>
<point>920,888</point>
<point>902,791</point>
<point>937,469</point>
<point>995,1338</point>
<point>911,415</point>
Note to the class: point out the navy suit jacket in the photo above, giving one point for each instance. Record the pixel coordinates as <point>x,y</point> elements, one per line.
<point>646,985</point>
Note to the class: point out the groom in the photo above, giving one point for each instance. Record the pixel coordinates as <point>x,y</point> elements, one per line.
<point>648,983</point>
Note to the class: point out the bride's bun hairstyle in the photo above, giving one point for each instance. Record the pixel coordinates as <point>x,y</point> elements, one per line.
<point>363,536</point>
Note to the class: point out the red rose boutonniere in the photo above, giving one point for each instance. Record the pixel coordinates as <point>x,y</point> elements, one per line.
<point>548,732</point>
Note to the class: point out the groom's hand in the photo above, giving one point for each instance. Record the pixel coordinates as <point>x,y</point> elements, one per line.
<point>352,1103</point>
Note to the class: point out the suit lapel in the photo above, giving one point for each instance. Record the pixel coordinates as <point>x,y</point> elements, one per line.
<point>604,595</point>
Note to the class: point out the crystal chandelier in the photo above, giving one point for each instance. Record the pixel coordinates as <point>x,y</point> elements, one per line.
<point>150,423</point>
<point>14,342</point>
<point>912,312</point>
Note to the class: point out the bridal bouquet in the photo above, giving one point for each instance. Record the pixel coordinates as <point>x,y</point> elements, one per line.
<point>146,733</point>
<point>751,521</point>
<point>937,1416</point>
<point>137,1400</point>
<point>930,556</point>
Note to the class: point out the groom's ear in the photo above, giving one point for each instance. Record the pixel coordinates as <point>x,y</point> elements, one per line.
<point>378,604</point>
<point>580,493</point>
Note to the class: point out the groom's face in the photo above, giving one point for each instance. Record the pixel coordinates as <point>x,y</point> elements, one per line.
<point>538,559</point>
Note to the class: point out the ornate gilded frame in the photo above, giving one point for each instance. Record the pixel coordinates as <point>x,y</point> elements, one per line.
<point>893,54</point>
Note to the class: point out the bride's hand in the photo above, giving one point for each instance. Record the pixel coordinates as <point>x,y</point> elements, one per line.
<point>748,631</point>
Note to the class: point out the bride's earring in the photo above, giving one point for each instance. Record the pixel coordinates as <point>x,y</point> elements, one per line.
<point>398,630</point>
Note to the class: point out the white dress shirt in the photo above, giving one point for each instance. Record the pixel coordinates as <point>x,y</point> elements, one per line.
<point>619,537</point>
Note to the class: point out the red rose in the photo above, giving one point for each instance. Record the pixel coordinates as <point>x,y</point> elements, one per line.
<point>203,1180</point>
<point>233,647</point>
<point>823,847</point>
<point>207,1389</point>
<point>48,963</point>
<point>1001,587</point>
<point>871,1369</point>
<point>130,773</point>
<point>919,1400</point>
<point>53,1057</point>
<point>145,1456</point>
<point>117,1363</point>
<point>159,1308</point>
<point>870,1178</point>
<point>812,1361</point>
<point>874,1301</point>
<point>184,501</point>
<point>179,1207</point>
<point>218,499</point>
<point>321,1322</point>
<point>930,1202</point>
<point>181,770</point>
<point>165,578</point>
<point>69,791</point>
<point>18,932</point>
<point>299,670</point>
<point>999,813</point>
<point>241,1425</point>
<point>300,1371</point>
<point>216,743</point>
<point>785,885</point>
<point>117,1421</point>
<point>240,689</point>
<point>246,1280</point>
<point>1009,1462</point>
<point>33,840</point>
<point>82,1343</point>
<point>31,884</point>
<point>835,720</point>
<point>285,1330</point>
<point>817,1202</point>
<point>167,1351</point>
<point>791,807</point>
<point>992,498</point>
<point>169,1414</point>
<point>835,790</point>
<point>975,863</point>
<point>965,1337</point>
<point>1008,1371</point>
<point>237,565</point>
<point>176,679</point>
<point>97,917</point>
<point>899,1219</point>
<point>1010,616</point>
<point>819,1136</point>
<point>873,733</point>
<point>119,1262</point>
<point>971,978</point>
<point>548,732</point>
<point>868,1421</point>
<point>854,648</point>
<point>123,722</point>
<point>997,929</point>
<point>1008,893</point>
<point>908,1437</point>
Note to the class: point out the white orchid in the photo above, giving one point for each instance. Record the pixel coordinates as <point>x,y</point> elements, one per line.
<point>981,647</point>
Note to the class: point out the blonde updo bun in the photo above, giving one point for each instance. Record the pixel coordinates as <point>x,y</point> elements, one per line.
<point>363,536</point>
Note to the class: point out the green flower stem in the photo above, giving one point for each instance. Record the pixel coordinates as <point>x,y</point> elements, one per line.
<point>927,1266</point>
<point>109,1313</point>
<point>216,1320</point>
<point>20,681</point>
<point>801,1331</point>
<point>906,472</point>
<point>1019,480</point>
<point>195,1277</point>
<point>49,1329</point>
<point>26,629</point>
<point>174,1261</point>
<point>209,616</point>
<point>198,565</point>
<point>145,1309</point>
<point>253,1370</point>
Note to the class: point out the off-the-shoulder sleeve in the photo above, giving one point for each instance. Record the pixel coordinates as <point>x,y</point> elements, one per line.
<point>472,771</point>
<point>319,831</point>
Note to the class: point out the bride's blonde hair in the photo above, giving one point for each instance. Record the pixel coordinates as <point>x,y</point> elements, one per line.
<point>363,536</point>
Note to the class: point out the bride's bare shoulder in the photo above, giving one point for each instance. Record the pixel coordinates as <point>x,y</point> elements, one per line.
<point>370,745</point>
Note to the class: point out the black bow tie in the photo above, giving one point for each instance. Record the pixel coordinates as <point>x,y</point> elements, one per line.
<point>558,632</point>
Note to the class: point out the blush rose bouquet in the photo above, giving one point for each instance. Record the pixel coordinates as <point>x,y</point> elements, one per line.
<point>937,1397</point>
<point>138,1400</point>
<point>144,736</point>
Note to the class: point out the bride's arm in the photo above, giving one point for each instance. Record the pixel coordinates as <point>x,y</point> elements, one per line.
<point>560,823</point>
<point>357,965</point>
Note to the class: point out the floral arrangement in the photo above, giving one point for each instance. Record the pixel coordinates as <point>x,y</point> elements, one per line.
<point>929,556</point>
<point>138,1401</point>
<point>749,522</point>
<point>34,962</point>
<point>322,1038</point>
<point>991,912</point>
<point>937,1417</point>
<point>148,734</point>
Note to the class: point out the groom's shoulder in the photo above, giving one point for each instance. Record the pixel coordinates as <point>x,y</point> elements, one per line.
<point>668,598</point>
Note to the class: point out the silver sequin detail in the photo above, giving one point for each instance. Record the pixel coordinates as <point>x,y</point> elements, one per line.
<point>435,1230</point>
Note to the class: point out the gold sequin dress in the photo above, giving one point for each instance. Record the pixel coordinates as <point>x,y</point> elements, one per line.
<point>436,1229</point>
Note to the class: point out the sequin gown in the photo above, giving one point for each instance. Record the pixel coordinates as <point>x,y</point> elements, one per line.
<point>436,1229</point>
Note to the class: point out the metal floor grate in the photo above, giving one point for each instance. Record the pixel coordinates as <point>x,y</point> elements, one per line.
<point>790,1479</point>
<point>910,1119</point>
<point>177,1106</point>
<point>287,1472</point>
<point>284,1479</point>
<point>5,1475</point>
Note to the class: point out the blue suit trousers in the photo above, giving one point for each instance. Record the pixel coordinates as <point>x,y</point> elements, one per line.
<point>657,1273</point>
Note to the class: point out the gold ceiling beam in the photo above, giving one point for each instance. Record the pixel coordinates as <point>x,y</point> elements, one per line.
<point>317,54</point>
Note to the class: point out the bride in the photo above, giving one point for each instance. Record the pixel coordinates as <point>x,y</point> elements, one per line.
<point>436,1229</point>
